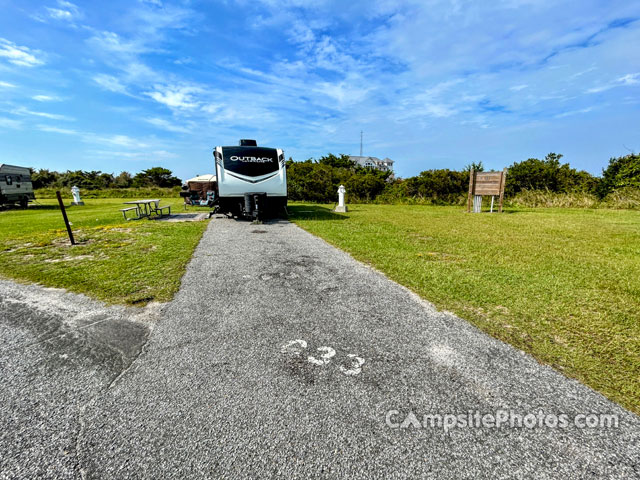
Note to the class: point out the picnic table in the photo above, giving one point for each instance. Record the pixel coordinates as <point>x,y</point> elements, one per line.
<point>144,208</point>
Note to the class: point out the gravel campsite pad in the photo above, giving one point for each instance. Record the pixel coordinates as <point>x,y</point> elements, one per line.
<point>283,356</point>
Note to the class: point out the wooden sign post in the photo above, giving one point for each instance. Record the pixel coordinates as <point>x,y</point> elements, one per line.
<point>485,183</point>
<point>64,217</point>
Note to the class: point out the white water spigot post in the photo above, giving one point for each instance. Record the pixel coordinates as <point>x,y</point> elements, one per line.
<point>75,192</point>
<point>341,206</point>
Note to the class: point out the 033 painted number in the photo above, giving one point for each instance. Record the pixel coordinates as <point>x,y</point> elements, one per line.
<point>351,366</point>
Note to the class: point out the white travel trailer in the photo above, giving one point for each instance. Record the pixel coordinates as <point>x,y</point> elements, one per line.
<point>15,185</point>
<point>251,180</point>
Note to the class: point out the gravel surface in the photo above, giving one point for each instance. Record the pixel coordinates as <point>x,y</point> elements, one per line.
<point>284,357</point>
<point>58,352</point>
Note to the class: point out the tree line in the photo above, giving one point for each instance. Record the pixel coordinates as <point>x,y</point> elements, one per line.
<point>96,180</point>
<point>318,180</point>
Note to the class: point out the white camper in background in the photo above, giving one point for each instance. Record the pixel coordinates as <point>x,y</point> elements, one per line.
<point>15,185</point>
<point>251,180</point>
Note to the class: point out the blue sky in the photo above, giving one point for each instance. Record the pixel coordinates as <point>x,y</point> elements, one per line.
<point>126,85</point>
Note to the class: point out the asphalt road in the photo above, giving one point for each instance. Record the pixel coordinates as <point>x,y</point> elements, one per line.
<point>283,357</point>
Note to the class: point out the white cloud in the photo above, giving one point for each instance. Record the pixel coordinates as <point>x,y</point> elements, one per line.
<point>232,116</point>
<point>183,61</point>
<point>117,140</point>
<point>146,154</point>
<point>600,88</point>
<point>65,11</point>
<point>517,88</point>
<point>574,112</point>
<point>582,72</point>
<point>59,14</point>
<point>110,83</point>
<point>180,97</point>
<point>18,55</point>
<point>138,71</point>
<point>211,108</point>
<point>123,54</point>
<point>630,79</point>
<point>46,98</point>
<point>347,92</point>
<point>438,110</point>
<point>153,19</point>
<point>9,123</point>
<point>144,28</point>
<point>93,138</point>
<point>112,43</point>
<point>6,85</point>
<point>63,131</point>
<point>166,125</point>
<point>626,80</point>
<point>51,116</point>
<point>435,101</point>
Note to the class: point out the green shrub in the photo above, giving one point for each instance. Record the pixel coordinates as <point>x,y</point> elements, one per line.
<point>96,180</point>
<point>622,172</point>
<point>438,187</point>
<point>547,199</point>
<point>147,192</point>
<point>625,198</point>
<point>318,181</point>
<point>548,175</point>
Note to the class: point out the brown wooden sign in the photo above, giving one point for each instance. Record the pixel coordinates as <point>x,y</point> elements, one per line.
<point>486,183</point>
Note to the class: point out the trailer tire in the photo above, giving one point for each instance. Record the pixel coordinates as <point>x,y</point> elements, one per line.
<point>24,202</point>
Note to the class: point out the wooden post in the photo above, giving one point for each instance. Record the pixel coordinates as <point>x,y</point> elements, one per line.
<point>472,182</point>
<point>503,180</point>
<point>66,220</point>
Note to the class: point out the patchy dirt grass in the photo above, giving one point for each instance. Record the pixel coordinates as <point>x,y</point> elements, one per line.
<point>131,263</point>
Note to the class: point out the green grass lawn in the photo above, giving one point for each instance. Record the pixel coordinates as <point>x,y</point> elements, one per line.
<point>560,284</point>
<point>563,285</point>
<point>115,261</point>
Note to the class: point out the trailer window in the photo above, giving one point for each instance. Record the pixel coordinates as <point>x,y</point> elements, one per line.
<point>8,179</point>
<point>250,161</point>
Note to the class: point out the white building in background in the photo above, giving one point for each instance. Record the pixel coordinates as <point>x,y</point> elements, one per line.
<point>386,164</point>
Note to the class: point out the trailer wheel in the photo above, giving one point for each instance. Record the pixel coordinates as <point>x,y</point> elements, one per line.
<point>24,202</point>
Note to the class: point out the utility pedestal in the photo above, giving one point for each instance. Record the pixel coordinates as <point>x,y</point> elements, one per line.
<point>75,191</point>
<point>341,206</point>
